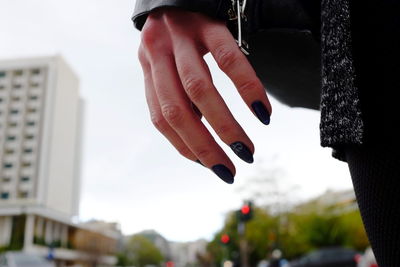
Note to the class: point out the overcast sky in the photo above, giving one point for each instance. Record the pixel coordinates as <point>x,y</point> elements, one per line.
<point>130,173</point>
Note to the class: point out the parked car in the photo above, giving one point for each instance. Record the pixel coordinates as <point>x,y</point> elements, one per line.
<point>20,259</point>
<point>368,259</point>
<point>328,257</point>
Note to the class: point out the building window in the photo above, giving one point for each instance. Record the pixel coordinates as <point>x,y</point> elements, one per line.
<point>23,194</point>
<point>11,137</point>
<point>14,111</point>
<point>5,195</point>
<point>30,123</point>
<point>32,110</point>
<point>25,178</point>
<point>35,71</point>
<point>2,87</point>
<point>8,165</point>
<point>12,124</point>
<point>16,98</point>
<point>35,84</point>
<point>2,74</point>
<point>1,99</point>
<point>9,151</point>
<point>6,179</point>
<point>18,73</point>
<point>28,150</point>
<point>29,136</point>
<point>33,97</point>
<point>26,164</point>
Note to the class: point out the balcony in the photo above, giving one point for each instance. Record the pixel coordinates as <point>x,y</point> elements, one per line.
<point>27,172</point>
<point>28,157</point>
<point>37,79</point>
<point>11,144</point>
<point>12,172</point>
<point>33,117</point>
<point>26,186</point>
<point>21,80</point>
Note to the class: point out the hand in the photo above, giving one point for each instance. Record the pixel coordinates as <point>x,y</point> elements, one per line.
<point>179,86</point>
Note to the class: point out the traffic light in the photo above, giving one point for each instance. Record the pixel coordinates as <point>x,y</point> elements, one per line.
<point>246,212</point>
<point>225,239</point>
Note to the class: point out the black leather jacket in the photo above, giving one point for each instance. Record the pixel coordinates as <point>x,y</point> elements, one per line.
<point>294,14</point>
<point>328,54</point>
<point>284,42</point>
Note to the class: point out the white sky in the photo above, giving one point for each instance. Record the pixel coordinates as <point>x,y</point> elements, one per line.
<point>130,173</point>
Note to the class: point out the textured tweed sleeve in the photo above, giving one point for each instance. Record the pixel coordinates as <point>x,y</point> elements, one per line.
<point>341,121</point>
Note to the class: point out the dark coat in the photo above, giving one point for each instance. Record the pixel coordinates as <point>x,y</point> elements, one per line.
<point>341,56</point>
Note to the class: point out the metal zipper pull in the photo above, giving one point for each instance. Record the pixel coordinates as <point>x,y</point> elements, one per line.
<point>236,14</point>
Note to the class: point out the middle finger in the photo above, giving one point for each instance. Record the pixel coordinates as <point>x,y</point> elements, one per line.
<point>197,82</point>
<point>177,112</point>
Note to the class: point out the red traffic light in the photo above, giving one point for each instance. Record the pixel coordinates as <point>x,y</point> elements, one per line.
<point>245,209</point>
<point>225,238</point>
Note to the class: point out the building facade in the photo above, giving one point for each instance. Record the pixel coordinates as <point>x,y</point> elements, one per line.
<point>40,133</point>
<point>40,153</point>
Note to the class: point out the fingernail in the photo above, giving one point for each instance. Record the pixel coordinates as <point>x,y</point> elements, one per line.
<point>199,162</point>
<point>261,112</point>
<point>242,151</point>
<point>223,172</point>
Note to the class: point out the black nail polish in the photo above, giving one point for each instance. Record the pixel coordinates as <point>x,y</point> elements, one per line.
<point>261,112</point>
<point>242,151</point>
<point>199,162</point>
<point>223,172</point>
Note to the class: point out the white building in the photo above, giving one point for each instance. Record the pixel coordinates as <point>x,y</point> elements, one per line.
<point>40,154</point>
<point>40,132</point>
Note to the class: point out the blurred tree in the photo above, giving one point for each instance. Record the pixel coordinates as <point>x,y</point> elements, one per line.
<point>294,232</point>
<point>139,251</point>
<point>356,237</point>
<point>122,259</point>
<point>259,231</point>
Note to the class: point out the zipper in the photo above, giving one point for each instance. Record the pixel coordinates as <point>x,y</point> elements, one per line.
<point>239,23</point>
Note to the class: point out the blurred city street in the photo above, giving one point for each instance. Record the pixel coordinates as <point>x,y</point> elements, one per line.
<point>86,180</point>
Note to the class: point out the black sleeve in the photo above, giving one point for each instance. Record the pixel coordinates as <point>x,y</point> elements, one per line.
<point>264,14</point>
<point>283,37</point>
<point>214,8</point>
<point>291,14</point>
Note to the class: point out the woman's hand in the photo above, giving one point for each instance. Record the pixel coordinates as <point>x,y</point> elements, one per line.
<point>179,88</point>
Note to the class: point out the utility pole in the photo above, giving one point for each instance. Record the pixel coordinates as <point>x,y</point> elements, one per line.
<point>244,215</point>
<point>244,259</point>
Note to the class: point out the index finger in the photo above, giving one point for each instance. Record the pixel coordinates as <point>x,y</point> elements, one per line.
<point>220,42</point>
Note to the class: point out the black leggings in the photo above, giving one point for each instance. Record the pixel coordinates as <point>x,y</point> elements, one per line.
<point>375,171</point>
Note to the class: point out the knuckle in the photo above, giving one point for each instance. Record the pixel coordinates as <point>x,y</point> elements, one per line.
<point>226,57</point>
<point>203,152</point>
<point>172,114</point>
<point>142,56</point>
<point>159,122</point>
<point>224,130</point>
<point>184,151</point>
<point>169,17</point>
<point>154,38</point>
<point>149,35</point>
<point>195,88</point>
<point>248,88</point>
